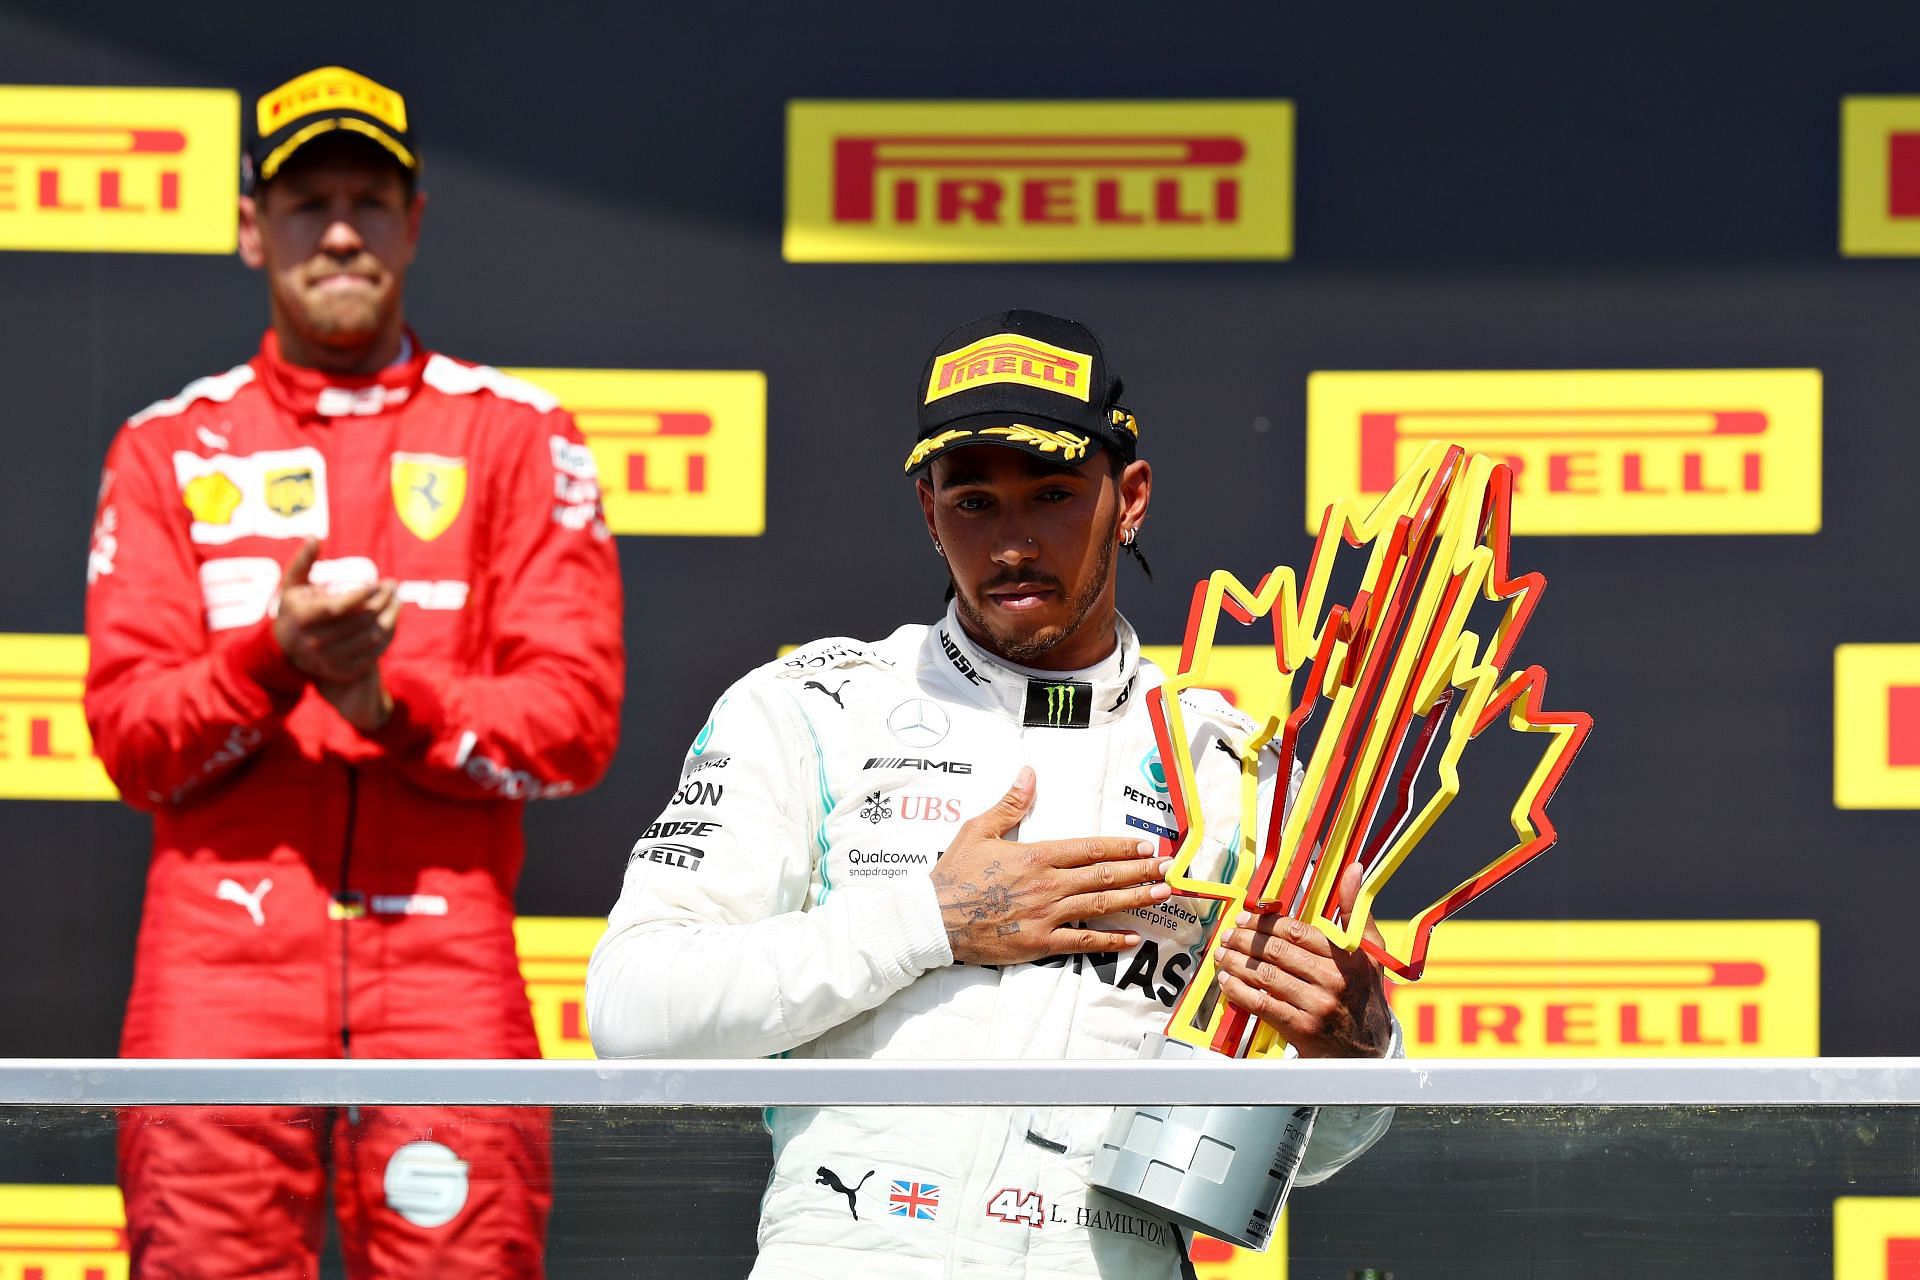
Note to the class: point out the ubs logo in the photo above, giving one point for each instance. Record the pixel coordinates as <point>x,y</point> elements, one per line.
<point>930,809</point>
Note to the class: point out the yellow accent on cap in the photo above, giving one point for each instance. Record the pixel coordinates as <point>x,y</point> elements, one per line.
<point>933,444</point>
<point>1070,447</point>
<point>329,89</point>
<point>278,156</point>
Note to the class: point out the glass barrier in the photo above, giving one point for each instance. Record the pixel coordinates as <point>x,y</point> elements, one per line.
<point>1797,1169</point>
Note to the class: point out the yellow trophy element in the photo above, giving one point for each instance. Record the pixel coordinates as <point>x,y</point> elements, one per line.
<point>1395,667</point>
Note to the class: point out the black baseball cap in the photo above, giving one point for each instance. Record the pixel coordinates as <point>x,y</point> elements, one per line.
<point>320,103</point>
<point>1026,380</point>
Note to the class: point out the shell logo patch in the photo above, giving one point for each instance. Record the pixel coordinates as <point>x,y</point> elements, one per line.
<point>211,498</point>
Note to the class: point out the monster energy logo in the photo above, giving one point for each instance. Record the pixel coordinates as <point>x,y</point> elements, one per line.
<point>1067,704</point>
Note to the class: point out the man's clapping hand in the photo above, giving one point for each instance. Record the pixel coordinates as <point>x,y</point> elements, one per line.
<point>336,639</point>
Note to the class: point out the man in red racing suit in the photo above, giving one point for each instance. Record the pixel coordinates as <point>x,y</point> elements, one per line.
<point>344,624</point>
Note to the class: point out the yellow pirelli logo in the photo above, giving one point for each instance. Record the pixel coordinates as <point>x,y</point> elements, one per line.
<point>129,170</point>
<point>1691,451</point>
<point>1876,726</point>
<point>62,1233</point>
<point>46,752</point>
<point>679,452</point>
<point>1010,357</point>
<point>554,951</point>
<point>1038,181</point>
<point>1615,989</point>
<point>1880,177</point>
<point>1876,1238</point>
<point>330,89</point>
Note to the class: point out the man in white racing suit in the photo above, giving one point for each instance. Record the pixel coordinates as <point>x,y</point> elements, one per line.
<point>845,871</point>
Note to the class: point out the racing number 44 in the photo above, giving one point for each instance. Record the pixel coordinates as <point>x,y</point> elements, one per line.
<point>1019,1207</point>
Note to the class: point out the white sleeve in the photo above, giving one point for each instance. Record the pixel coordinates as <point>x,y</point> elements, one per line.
<point>714,948</point>
<point>1340,1134</point>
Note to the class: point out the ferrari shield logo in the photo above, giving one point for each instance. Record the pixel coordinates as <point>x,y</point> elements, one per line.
<point>290,492</point>
<point>428,491</point>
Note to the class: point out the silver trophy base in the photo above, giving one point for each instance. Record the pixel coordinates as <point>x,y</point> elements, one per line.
<point>1222,1170</point>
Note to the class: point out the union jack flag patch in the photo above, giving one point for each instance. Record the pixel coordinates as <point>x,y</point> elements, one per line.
<point>914,1200</point>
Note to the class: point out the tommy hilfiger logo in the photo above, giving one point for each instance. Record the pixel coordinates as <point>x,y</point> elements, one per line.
<point>1064,705</point>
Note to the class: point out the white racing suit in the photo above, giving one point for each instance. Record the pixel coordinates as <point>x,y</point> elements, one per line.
<point>782,905</point>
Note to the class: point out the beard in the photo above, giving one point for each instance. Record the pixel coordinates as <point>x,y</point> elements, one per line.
<point>341,317</point>
<point>356,317</point>
<point>1026,648</point>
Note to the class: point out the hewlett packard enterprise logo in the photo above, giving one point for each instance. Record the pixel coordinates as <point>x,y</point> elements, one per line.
<point>1066,704</point>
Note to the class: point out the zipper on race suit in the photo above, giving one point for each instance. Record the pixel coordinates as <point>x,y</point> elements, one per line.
<point>349,907</point>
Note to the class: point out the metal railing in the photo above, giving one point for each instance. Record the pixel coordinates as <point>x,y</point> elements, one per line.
<point>1610,1082</point>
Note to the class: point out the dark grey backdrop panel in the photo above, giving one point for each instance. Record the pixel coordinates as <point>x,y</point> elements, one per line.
<point>1638,186</point>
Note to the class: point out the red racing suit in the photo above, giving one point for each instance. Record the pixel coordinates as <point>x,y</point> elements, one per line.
<point>314,891</point>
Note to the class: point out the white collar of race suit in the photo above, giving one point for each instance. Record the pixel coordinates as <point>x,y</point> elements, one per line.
<point>1099,694</point>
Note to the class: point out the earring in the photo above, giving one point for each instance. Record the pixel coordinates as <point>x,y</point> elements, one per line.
<point>938,549</point>
<point>1127,536</point>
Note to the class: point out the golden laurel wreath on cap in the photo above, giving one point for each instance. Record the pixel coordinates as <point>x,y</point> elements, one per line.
<point>1070,447</point>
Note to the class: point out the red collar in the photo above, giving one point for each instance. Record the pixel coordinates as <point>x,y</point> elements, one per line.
<point>316,393</point>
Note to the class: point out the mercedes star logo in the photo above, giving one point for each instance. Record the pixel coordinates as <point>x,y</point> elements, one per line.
<point>918,722</point>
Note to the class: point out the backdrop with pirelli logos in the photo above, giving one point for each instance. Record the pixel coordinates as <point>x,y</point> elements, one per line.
<point>1669,279</point>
